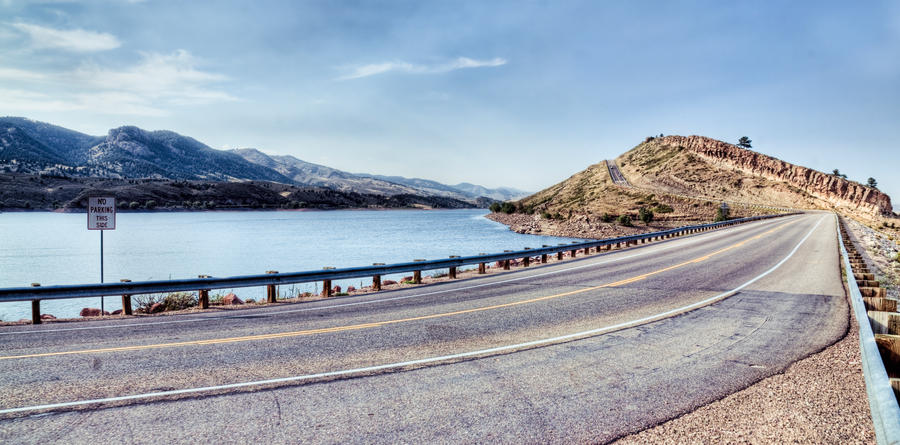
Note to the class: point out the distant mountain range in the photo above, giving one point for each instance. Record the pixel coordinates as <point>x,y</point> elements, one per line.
<point>32,147</point>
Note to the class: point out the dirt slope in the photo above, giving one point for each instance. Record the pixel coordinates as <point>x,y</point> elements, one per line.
<point>704,167</point>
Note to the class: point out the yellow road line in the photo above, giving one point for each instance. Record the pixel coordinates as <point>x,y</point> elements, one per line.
<point>354,327</point>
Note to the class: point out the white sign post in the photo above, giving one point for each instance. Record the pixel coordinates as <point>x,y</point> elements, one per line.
<point>101,216</point>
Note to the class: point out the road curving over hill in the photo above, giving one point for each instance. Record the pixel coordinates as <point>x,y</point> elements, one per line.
<point>586,351</point>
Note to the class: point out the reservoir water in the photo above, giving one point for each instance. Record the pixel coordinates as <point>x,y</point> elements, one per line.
<point>57,248</point>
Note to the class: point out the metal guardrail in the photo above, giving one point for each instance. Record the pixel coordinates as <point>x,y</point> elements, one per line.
<point>35,294</point>
<point>882,402</point>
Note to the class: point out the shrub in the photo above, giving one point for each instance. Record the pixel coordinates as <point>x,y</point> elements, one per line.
<point>151,204</point>
<point>645,215</point>
<point>508,208</point>
<point>133,205</point>
<point>625,220</point>
<point>546,215</point>
<point>607,218</point>
<point>721,214</point>
<point>171,302</point>
<point>495,206</point>
<point>662,208</point>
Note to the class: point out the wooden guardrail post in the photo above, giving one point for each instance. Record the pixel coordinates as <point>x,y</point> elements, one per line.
<point>203,295</point>
<point>417,274</point>
<point>376,279</point>
<point>326,284</point>
<point>271,289</point>
<point>544,255</point>
<point>452,272</point>
<point>126,299</point>
<point>526,261</point>
<point>35,308</point>
<point>505,263</point>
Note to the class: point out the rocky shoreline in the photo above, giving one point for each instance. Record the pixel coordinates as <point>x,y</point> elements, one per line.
<point>585,225</point>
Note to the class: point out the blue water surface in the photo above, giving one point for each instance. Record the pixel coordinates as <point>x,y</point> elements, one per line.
<point>57,248</point>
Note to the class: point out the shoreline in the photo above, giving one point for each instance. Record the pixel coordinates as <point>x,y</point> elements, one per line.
<point>164,210</point>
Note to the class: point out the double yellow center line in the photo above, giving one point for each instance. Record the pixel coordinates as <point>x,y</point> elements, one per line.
<point>217,341</point>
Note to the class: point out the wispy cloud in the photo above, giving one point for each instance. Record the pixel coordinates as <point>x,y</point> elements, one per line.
<point>173,77</point>
<point>150,87</point>
<point>411,68</point>
<point>75,40</point>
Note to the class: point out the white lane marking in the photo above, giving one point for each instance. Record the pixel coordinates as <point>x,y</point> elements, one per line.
<point>695,239</point>
<point>429,360</point>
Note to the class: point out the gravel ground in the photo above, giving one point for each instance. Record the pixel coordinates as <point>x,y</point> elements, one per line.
<point>820,399</point>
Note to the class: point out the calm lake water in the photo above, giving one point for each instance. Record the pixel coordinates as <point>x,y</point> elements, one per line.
<point>57,248</point>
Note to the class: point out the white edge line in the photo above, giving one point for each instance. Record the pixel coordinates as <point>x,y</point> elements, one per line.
<point>382,300</point>
<point>425,361</point>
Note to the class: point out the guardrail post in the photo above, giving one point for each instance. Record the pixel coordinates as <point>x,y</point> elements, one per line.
<point>126,299</point>
<point>452,272</point>
<point>271,290</point>
<point>527,260</point>
<point>417,274</point>
<point>203,295</point>
<point>35,308</point>
<point>376,279</point>
<point>326,284</point>
<point>544,255</point>
<point>481,269</point>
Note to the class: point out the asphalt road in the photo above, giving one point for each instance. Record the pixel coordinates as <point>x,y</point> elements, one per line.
<point>585,350</point>
<point>616,174</point>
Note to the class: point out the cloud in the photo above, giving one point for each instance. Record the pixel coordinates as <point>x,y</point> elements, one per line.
<point>75,40</point>
<point>406,67</point>
<point>169,76</point>
<point>151,86</point>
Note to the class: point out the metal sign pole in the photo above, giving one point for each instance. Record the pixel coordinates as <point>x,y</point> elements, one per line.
<point>101,270</point>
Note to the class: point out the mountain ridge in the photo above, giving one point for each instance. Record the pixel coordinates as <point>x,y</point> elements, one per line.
<point>28,146</point>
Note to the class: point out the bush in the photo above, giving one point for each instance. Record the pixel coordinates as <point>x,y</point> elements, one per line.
<point>662,208</point>
<point>625,220</point>
<point>546,215</point>
<point>133,205</point>
<point>171,302</point>
<point>508,208</point>
<point>607,218</point>
<point>645,215</point>
<point>721,214</point>
<point>151,204</point>
<point>495,207</point>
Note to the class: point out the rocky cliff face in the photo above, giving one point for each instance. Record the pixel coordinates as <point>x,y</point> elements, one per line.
<point>837,192</point>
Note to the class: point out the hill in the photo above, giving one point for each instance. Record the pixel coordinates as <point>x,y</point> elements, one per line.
<point>32,147</point>
<point>683,180</point>
<point>708,168</point>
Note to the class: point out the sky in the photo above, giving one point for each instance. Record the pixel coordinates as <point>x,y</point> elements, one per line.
<point>498,93</point>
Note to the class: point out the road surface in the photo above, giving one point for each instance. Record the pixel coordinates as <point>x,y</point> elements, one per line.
<point>616,174</point>
<point>585,350</point>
